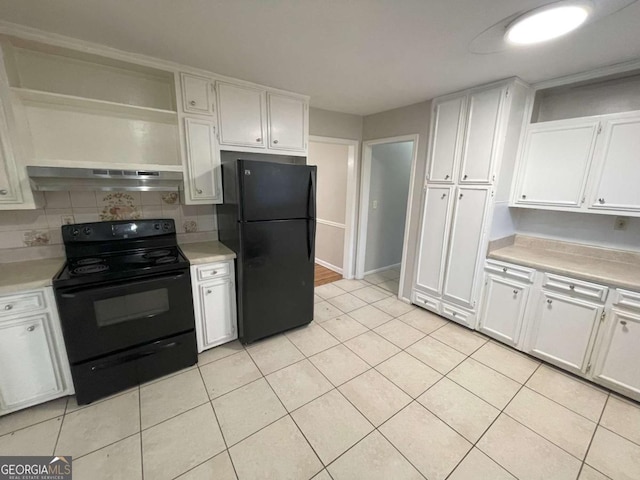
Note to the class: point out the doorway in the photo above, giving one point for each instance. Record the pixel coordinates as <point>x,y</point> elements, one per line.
<point>388,171</point>
<point>336,199</point>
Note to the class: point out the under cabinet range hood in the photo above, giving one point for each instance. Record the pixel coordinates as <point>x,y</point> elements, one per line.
<point>107,179</point>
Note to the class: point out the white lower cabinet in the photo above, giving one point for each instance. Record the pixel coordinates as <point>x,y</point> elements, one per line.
<point>503,308</point>
<point>34,366</point>
<point>214,298</point>
<point>562,330</point>
<point>617,361</point>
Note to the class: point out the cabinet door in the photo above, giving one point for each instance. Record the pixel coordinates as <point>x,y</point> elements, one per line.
<point>481,135</point>
<point>618,359</point>
<point>203,161</point>
<point>287,123</point>
<point>446,139</point>
<point>555,162</point>
<point>196,96</point>
<point>9,191</point>
<point>619,163</point>
<point>465,245</point>
<point>436,215</point>
<point>241,115</point>
<point>503,308</point>
<point>562,330</point>
<point>29,363</point>
<point>218,312</point>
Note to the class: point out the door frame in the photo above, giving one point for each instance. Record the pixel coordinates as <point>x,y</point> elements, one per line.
<point>351,207</point>
<point>367,148</point>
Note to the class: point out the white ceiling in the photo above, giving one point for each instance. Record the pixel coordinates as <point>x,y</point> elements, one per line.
<point>355,56</point>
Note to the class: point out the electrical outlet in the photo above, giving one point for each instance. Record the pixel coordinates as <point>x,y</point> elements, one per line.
<point>67,220</point>
<point>375,204</point>
<point>621,223</point>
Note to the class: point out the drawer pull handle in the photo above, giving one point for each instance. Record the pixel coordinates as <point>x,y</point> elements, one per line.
<point>446,177</point>
<point>444,195</point>
<point>199,191</point>
<point>623,323</point>
<point>31,328</point>
<point>515,292</point>
<point>465,177</point>
<point>4,191</point>
<point>572,287</point>
<point>549,301</point>
<point>192,103</point>
<point>8,306</point>
<point>258,140</point>
<point>208,292</point>
<point>215,272</point>
<point>504,269</point>
<point>454,313</point>
<point>275,141</point>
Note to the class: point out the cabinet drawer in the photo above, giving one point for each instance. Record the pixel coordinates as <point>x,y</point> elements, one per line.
<point>216,270</point>
<point>23,302</point>
<point>628,300</point>
<point>426,302</point>
<point>576,288</point>
<point>516,272</point>
<point>458,315</point>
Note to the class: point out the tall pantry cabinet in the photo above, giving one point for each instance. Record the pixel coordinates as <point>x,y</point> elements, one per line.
<point>472,151</point>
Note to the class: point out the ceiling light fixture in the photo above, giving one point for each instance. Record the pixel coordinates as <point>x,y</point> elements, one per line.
<point>547,23</point>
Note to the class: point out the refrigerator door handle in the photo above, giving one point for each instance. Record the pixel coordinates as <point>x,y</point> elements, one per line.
<point>312,195</point>
<point>311,237</point>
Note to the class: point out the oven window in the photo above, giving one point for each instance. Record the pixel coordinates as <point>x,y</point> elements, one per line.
<point>131,307</point>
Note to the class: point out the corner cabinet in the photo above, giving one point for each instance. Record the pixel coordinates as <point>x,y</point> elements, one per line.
<point>32,354</point>
<point>204,182</point>
<point>214,298</point>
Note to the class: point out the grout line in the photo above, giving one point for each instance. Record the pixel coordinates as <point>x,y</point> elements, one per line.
<point>593,435</point>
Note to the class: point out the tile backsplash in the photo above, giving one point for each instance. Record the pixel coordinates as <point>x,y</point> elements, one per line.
<point>41,227</point>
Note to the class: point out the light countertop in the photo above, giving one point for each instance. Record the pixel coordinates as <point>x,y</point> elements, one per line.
<point>616,268</point>
<point>21,276</point>
<point>206,252</point>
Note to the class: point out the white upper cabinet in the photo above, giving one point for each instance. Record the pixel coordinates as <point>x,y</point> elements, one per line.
<point>287,122</point>
<point>465,244</point>
<point>196,94</point>
<point>204,183</point>
<point>481,135</point>
<point>446,134</point>
<point>555,160</point>
<point>617,183</point>
<point>241,115</point>
<point>9,192</point>
<point>618,361</point>
<point>433,241</point>
<point>562,330</point>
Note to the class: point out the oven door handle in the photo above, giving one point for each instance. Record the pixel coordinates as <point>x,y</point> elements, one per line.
<point>106,287</point>
<point>133,357</point>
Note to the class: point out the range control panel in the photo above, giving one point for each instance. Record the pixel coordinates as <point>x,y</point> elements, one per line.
<point>117,230</point>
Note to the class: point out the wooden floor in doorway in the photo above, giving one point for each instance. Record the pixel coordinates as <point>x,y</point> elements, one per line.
<point>323,275</point>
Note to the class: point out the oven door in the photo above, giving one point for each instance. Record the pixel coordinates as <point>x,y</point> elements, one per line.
<point>103,319</point>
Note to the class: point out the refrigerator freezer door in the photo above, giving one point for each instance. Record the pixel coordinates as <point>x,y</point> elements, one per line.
<point>275,277</point>
<point>275,191</point>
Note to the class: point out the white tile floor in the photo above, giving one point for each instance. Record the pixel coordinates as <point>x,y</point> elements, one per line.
<point>372,389</point>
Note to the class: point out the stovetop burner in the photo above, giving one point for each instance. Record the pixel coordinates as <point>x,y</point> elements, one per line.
<point>89,261</point>
<point>157,253</point>
<point>167,259</point>
<point>91,268</point>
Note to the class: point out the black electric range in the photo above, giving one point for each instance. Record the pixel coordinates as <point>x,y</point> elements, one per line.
<point>125,303</point>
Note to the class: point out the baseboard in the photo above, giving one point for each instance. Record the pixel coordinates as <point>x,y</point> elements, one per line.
<point>382,269</point>
<point>329,266</point>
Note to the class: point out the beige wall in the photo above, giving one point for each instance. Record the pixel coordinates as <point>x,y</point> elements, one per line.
<point>331,160</point>
<point>325,123</point>
<point>404,121</point>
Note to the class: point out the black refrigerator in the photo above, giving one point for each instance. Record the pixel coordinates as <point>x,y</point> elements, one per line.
<point>268,218</point>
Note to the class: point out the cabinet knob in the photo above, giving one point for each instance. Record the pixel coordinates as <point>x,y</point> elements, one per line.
<point>515,292</point>
<point>504,269</point>
<point>215,272</point>
<point>524,196</point>
<point>192,103</point>
<point>208,292</point>
<point>572,287</point>
<point>549,301</point>
<point>601,201</point>
<point>623,322</point>
<point>275,141</point>
<point>444,195</point>
<point>8,306</point>
<point>460,196</point>
<point>446,177</point>
<point>454,314</point>
<point>465,177</point>
<point>31,328</point>
<point>258,140</point>
<point>199,191</point>
<point>3,192</point>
